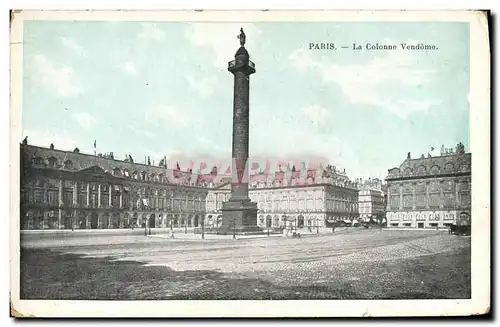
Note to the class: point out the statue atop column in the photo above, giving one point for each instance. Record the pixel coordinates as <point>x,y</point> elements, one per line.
<point>242,37</point>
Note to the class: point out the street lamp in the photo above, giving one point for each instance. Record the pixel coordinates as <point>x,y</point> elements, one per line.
<point>203,227</point>
<point>234,227</point>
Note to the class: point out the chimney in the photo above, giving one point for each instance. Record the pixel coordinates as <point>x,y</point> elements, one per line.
<point>408,156</point>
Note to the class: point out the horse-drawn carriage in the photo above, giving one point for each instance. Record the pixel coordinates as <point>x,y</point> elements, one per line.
<point>462,225</point>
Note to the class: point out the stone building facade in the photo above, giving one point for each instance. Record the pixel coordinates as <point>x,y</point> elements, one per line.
<point>295,198</point>
<point>73,190</point>
<point>371,199</point>
<point>430,192</point>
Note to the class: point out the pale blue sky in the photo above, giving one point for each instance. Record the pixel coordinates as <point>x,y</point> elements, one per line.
<point>163,89</point>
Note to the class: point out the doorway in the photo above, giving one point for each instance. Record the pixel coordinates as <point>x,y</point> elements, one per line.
<point>152,221</point>
<point>300,221</point>
<point>105,221</point>
<point>420,225</point>
<point>94,220</point>
<point>268,221</point>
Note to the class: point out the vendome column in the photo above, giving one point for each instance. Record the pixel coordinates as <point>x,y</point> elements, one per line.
<point>239,213</point>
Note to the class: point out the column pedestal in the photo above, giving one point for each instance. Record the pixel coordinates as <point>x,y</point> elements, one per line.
<point>239,217</point>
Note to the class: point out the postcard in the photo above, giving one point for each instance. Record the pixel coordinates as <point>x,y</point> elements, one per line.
<point>249,163</point>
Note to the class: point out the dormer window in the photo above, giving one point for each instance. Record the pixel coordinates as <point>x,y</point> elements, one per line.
<point>68,164</point>
<point>37,161</point>
<point>52,162</point>
<point>116,172</point>
<point>125,173</point>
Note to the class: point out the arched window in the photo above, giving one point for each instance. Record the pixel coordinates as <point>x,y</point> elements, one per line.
<point>143,175</point>
<point>261,220</point>
<point>126,173</point>
<point>421,170</point>
<point>448,168</point>
<point>435,169</point>
<point>161,178</point>
<point>116,171</point>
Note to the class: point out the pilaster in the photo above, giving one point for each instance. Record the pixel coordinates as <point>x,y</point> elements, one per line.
<point>99,195</point>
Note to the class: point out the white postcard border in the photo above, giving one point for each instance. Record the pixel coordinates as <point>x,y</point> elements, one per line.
<point>480,192</point>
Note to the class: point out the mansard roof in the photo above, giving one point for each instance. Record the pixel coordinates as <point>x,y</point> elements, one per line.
<point>439,165</point>
<point>77,161</point>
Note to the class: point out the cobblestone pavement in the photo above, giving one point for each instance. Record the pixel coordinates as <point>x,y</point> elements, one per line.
<point>347,262</point>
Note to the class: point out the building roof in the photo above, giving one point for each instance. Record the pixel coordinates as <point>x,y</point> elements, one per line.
<point>77,161</point>
<point>458,162</point>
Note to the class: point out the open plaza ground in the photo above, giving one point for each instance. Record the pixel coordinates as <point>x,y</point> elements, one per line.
<point>347,264</point>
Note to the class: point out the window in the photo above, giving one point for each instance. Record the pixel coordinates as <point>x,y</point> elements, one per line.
<point>52,197</point>
<point>52,162</point>
<point>68,164</point>
<point>394,224</point>
<point>115,201</point>
<point>407,224</point>
<point>29,196</point>
<point>105,199</point>
<point>68,198</point>
<point>37,161</point>
<point>38,196</point>
<point>82,199</point>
